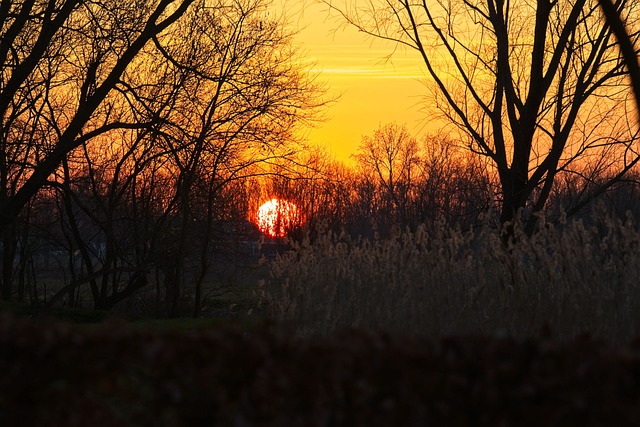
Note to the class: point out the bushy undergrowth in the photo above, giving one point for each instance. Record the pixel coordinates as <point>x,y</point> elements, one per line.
<point>571,278</point>
<point>117,374</point>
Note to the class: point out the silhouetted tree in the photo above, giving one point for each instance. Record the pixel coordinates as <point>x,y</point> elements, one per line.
<point>534,87</point>
<point>239,99</point>
<point>390,157</point>
<point>140,115</point>
<point>454,187</point>
<point>62,62</point>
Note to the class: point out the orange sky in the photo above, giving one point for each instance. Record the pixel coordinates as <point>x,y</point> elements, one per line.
<point>371,92</point>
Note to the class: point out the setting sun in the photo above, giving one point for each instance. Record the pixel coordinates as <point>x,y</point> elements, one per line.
<point>276,217</point>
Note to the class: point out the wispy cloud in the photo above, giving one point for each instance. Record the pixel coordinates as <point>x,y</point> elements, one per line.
<point>350,73</point>
<point>354,61</point>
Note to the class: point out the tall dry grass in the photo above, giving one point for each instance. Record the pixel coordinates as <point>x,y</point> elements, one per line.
<point>572,278</point>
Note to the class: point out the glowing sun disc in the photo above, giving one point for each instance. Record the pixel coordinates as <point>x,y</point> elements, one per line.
<point>276,217</point>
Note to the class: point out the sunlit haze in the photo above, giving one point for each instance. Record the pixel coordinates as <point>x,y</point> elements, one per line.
<point>370,90</point>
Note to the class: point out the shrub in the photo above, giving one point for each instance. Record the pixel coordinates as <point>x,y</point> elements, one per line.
<point>118,374</point>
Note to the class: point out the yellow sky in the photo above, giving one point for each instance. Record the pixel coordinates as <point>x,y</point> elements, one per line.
<point>371,91</point>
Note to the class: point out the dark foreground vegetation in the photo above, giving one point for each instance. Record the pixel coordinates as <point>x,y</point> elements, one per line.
<point>118,374</point>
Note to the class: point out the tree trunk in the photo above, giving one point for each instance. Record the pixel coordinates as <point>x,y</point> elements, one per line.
<point>9,246</point>
<point>515,196</point>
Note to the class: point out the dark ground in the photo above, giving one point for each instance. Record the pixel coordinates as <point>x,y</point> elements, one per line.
<point>119,373</point>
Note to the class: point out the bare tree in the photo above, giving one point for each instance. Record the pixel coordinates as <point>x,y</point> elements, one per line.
<point>240,99</point>
<point>97,97</point>
<point>106,217</point>
<point>219,96</point>
<point>453,185</point>
<point>535,87</point>
<point>391,156</point>
<point>62,62</point>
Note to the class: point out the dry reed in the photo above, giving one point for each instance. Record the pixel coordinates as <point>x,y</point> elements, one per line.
<point>570,279</point>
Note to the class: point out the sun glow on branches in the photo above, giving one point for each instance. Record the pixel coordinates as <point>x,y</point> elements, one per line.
<point>276,217</point>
